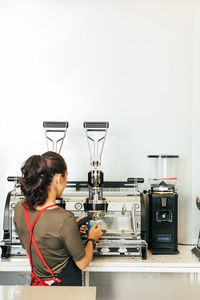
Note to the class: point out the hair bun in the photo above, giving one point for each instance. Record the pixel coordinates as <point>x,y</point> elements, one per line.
<point>35,180</point>
<point>37,174</point>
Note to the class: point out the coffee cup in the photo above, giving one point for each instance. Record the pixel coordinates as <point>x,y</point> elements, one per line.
<point>92,222</point>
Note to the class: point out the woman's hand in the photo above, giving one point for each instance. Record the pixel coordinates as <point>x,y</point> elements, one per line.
<point>83,227</point>
<point>95,232</point>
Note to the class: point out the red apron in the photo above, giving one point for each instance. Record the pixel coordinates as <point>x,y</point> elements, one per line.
<point>37,280</point>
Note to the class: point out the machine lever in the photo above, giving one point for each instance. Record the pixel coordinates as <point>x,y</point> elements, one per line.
<point>49,124</point>
<point>94,126</point>
<point>52,128</point>
<point>13,178</point>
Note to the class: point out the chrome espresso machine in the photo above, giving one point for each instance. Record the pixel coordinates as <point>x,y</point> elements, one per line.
<point>118,206</point>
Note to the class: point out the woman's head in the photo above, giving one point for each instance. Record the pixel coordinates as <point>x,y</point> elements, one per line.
<point>39,172</point>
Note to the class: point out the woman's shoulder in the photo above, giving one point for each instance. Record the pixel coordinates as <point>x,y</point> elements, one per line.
<point>58,212</point>
<point>64,213</point>
<point>60,216</point>
<point>19,204</point>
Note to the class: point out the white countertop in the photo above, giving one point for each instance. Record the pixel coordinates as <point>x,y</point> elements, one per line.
<point>184,262</point>
<point>41,292</point>
<point>142,290</point>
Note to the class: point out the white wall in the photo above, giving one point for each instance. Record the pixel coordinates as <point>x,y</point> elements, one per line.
<point>127,62</point>
<point>196,124</point>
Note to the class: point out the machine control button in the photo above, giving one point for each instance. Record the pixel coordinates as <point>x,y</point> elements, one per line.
<point>78,205</point>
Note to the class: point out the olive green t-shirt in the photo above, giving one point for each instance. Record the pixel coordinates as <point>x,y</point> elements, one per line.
<point>57,236</point>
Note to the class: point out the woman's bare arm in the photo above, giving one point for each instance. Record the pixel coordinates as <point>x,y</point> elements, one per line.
<point>84,262</point>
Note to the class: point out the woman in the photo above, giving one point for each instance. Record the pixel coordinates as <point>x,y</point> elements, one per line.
<point>55,249</point>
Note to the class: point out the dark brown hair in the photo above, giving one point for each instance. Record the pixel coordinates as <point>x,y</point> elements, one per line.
<point>37,175</point>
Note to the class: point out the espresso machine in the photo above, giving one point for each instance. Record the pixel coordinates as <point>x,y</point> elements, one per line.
<point>121,214</point>
<point>163,204</point>
<point>118,206</point>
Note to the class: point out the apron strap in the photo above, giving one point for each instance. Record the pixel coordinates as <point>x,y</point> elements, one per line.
<point>39,281</point>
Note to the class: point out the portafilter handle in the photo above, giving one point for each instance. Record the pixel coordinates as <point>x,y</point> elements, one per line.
<point>84,220</point>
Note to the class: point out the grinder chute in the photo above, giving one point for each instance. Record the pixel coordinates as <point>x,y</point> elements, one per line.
<point>96,134</point>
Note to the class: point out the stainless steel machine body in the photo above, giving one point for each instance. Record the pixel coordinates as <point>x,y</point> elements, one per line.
<point>123,224</point>
<point>10,244</point>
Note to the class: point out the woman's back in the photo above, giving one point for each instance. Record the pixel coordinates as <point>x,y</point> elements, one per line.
<point>56,234</point>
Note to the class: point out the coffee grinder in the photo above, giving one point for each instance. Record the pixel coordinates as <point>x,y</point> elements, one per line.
<point>196,250</point>
<point>163,204</point>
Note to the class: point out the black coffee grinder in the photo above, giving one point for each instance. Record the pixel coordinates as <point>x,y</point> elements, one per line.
<point>196,250</point>
<point>163,204</point>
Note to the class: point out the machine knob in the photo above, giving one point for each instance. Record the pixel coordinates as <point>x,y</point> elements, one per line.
<point>136,206</point>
